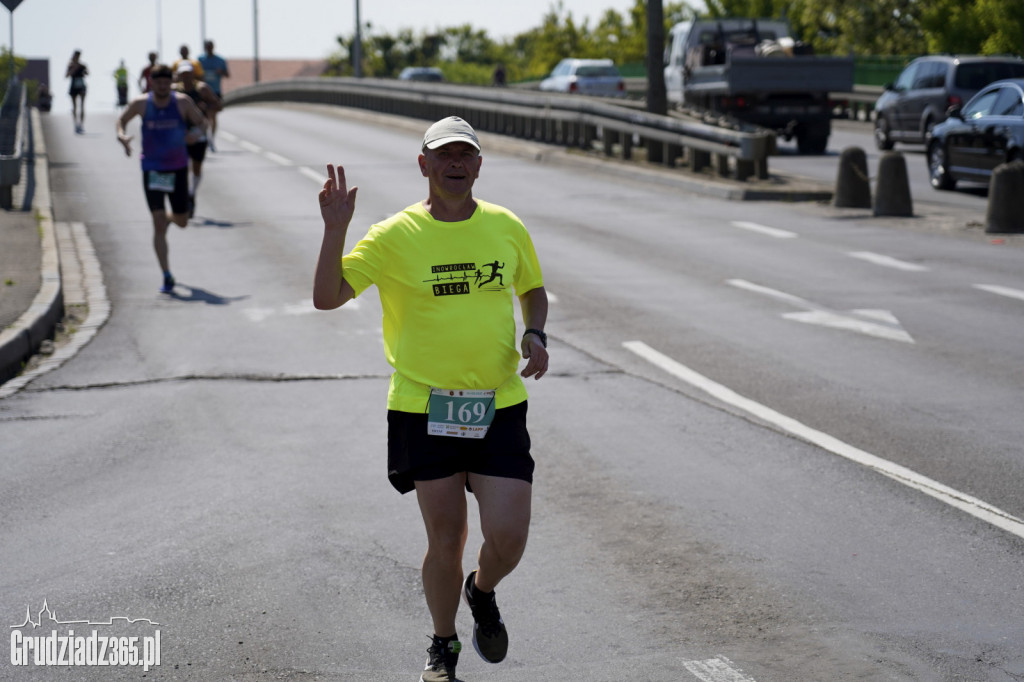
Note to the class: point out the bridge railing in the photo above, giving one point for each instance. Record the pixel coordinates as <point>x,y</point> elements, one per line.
<point>13,122</point>
<point>611,127</point>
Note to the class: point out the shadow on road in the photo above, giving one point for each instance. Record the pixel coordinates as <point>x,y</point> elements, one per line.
<point>197,295</point>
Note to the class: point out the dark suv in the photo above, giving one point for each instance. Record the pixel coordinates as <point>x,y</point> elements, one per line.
<point>919,99</point>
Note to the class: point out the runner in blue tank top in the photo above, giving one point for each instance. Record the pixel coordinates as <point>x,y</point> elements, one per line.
<point>163,137</point>
<point>169,123</point>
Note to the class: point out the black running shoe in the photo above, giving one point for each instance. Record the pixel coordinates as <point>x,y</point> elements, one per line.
<point>489,636</point>
<point>442,657</point>
<point>168,286</point>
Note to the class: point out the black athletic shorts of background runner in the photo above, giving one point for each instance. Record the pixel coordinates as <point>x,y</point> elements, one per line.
<point>197,151</point>
<point>179,197</point>
<point>413,455</point>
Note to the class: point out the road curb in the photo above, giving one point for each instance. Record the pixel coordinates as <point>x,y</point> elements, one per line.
<point>22,339</point>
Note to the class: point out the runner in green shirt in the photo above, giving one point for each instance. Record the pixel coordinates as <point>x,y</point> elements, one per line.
<point>447,271</point>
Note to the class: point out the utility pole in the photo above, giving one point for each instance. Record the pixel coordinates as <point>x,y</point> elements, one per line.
<point>202,22</point>
<point>657,100</point>
<point>357,47</point>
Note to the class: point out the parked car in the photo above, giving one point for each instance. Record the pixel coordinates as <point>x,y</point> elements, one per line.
<point>974,140</point>
<point>431,74</point>
<point>926,89</point>
<point>586,77</point>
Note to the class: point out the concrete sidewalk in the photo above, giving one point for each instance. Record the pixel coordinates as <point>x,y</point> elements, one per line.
<point>31,299</point>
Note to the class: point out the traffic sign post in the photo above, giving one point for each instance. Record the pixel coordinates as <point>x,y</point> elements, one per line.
<point>10,5</point>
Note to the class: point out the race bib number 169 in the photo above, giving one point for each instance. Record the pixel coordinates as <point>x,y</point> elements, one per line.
<point>460,413</point>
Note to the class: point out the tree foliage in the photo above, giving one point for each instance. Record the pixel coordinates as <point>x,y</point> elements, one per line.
<point>843,27</point>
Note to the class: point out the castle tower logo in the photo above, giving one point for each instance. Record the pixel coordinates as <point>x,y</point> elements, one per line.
<point>63,648</point>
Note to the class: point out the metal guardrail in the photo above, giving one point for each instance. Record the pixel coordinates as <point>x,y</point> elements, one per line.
<point>612,128</point>
<point>858,105</point>
<point>13,119</point>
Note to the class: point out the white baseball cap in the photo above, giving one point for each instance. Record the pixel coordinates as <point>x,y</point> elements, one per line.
<point>447,130</point>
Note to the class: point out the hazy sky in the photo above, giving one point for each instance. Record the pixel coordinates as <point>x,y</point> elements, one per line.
<point>110,30</point>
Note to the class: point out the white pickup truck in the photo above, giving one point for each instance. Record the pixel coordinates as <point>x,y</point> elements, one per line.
<point>754,71</point>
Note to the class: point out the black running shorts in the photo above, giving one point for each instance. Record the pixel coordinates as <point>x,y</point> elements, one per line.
<point>179,197</point>
<point>197,151</point>
<point>413,455</point>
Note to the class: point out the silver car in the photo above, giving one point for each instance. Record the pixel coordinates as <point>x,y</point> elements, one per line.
<point>597,77</point>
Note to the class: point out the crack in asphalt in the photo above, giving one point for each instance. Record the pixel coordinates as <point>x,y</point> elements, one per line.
<point>251,377</point>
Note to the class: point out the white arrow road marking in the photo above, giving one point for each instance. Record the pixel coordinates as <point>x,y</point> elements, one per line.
<point>303,308</point>
<point>977,508</point>
<point>716,670</point>
<point>258,314</point>
<point>878,323</point>
<point>300,308</point>
<point>887,261</point>
<point>764,229</point>
<point>1002,291</point>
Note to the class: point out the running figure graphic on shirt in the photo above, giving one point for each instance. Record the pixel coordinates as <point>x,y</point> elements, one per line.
<point>495,275</point>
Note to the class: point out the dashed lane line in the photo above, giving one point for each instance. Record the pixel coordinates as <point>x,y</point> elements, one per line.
<point>1002,291</point>
<point>764,229</point>
<point>318,178</point>
<point>887,261</point>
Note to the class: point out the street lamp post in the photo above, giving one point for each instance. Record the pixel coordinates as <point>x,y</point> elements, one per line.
<point>255,42</point>
<point>11,4</point>
<point>159,32</point>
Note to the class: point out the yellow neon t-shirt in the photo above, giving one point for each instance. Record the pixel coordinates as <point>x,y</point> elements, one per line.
<point>446,290</point>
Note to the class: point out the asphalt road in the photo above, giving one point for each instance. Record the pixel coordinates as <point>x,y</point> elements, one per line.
<point>777,442</point>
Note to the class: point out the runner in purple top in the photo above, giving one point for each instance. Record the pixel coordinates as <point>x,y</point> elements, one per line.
<point>169,123</point>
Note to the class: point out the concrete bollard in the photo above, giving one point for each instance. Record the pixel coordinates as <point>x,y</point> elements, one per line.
<point>853,186</point>
<point>1005,188</point>
<point>892,195</point>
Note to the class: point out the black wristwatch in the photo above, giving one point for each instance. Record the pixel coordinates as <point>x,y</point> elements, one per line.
<point>541,335</point>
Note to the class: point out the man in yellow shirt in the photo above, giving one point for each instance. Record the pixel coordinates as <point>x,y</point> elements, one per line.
<point>456,406</point>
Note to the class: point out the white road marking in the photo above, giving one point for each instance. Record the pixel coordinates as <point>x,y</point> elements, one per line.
<point>318,178</point>
<point>716,670</point>
<point>277,158</point>
<point>250,147</point>
<point>887,261</point>
<point>258,314</point>
<point>878,323</point>
<point>1002,291</point>
<point>954,498</point>
<point>764,229</point>
<point>302,308</point>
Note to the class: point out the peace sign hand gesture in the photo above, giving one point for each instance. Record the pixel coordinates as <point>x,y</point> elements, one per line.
<point>337,202</point>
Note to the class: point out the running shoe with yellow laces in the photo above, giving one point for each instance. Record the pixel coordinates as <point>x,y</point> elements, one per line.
<point>489,636</point>
<point>442,657</point>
